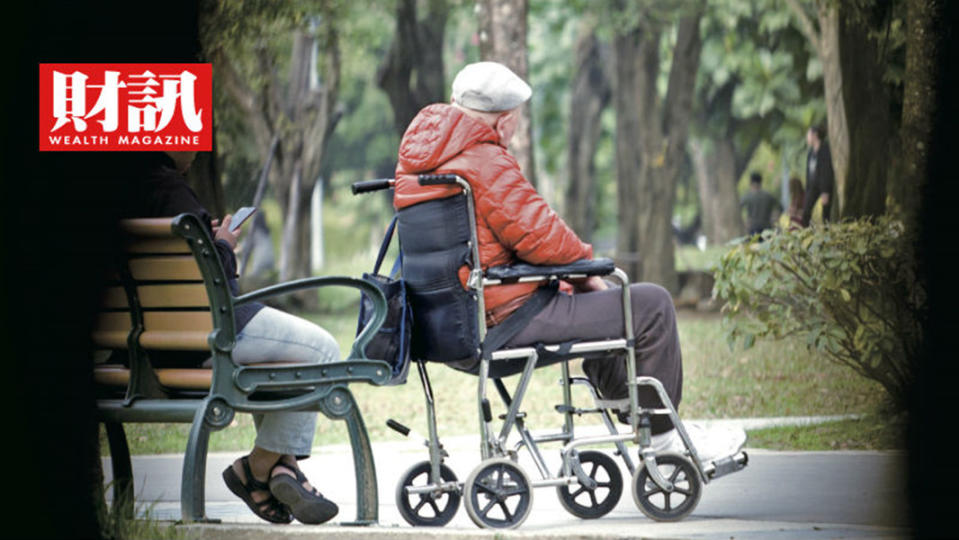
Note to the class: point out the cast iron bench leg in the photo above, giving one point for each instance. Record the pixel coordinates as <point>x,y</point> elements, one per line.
<point>341,405</point>
<point>214,414</point>
<point>122,469</point>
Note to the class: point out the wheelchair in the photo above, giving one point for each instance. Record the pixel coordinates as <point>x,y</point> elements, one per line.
<point>437,237</point>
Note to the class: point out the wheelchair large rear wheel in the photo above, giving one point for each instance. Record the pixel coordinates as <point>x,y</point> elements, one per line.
<point>498,494</point>
<point>659,504</point>
<point>426,509</point>
<point>597,502</point>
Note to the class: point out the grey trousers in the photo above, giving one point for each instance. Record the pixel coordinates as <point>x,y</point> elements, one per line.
<point>599,315</point>
<point>276,336</point>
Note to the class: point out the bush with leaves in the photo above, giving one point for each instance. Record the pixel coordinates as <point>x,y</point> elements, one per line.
<point>849,289</point>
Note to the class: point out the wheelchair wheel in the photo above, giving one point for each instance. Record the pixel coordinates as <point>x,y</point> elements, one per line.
<point>498,494</point>
<point>668,506</point>
<point>593,503</point>
<point>426,509</point>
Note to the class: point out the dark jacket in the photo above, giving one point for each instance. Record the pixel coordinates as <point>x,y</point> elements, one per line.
<point>819,179</point>
<point>157,189</point>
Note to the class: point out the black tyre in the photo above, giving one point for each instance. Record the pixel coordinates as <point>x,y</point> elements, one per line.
<point>498,494</point>
<point>668,506</point>
<point>593,503</point>
<point>426,509</point>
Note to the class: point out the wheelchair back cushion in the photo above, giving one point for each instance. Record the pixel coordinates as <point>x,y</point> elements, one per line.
<point>434,237</point>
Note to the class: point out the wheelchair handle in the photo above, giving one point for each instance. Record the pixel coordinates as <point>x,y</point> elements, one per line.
<point>365,186</point>
<point>436,179</point>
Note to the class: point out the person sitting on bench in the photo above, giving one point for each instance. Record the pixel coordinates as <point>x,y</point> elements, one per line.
<point>469,137</point>
<point>268,480</point>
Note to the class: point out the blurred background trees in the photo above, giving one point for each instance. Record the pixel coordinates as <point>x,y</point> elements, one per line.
<point>647,117</point>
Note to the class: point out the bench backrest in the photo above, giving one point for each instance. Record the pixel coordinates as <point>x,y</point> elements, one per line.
<point>169,293</point>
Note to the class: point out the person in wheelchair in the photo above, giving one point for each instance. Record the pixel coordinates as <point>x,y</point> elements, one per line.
<point>469,137</point>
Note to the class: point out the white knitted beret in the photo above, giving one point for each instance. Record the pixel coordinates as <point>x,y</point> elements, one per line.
<point>490,87</point>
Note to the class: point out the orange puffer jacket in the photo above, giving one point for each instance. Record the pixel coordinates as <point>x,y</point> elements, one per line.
<point>513,221</point>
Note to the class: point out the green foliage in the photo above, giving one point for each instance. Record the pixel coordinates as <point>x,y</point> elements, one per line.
<point>848,290</point>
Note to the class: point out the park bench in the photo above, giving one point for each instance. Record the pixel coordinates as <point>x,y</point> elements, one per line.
<point>170,293</point>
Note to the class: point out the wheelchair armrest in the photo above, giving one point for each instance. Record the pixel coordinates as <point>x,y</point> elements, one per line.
<point>586,267</point>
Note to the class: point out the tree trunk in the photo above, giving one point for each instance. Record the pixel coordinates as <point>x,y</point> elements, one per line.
<point>589,96</point>
<point>923,50</point>
<point>664,150</point>
<point>412,72</point>
<point>872,131</point>
<point>715,166</point>
<point>837,122</point>
<point>647,181</point>
<point>629,50</point>
<point>502,38</point>
<point>826,43</point>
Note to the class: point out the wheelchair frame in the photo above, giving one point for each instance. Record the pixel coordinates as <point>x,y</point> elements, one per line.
<point>499,476</point>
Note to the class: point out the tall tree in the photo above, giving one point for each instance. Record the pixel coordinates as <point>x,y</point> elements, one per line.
<point>924,44</point>
<point>819,22</point>
<point>651,137</point>
<point>298,108</point>
<point>860,45</point>
<point>412,71</point>
<point>502,38</point>
<point>753,87</point>
<point>718,167</point>
<point>590,94</point>
<point>872,105</point>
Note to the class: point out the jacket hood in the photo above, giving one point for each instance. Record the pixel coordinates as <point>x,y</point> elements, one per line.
<point>437,134</point>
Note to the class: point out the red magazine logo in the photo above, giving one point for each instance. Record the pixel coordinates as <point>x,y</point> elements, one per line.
<point>126,107</point>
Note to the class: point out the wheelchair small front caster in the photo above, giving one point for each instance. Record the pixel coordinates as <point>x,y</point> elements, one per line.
<point>498,494</point>
<point>662,505</point>
<point>587,503</point>
<point>433,509</point>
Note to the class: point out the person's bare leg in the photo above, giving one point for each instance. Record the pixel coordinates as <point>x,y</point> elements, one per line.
<point>261,462</point>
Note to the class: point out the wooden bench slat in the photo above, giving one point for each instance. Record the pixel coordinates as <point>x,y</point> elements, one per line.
<point>116,339</point>
<point>175,268</point>
<point>179,378</point>
<point>178,321</point>
<point>157,245</point>
<point>176,295</point>
<point>164,330</point>
<point>173,296</point>
<point>156,227</point>
<point>175,341</point>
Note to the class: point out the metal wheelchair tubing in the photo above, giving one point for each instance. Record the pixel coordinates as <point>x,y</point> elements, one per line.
<point>677,423</point>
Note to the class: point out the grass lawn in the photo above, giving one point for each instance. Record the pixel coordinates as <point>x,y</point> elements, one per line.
<point>771,379</point>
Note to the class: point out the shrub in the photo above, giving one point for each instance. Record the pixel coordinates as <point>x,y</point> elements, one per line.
<point>850,289</point>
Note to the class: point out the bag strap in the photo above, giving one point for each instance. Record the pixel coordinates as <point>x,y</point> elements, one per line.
<point>385,246</point>
<point>517,321</point>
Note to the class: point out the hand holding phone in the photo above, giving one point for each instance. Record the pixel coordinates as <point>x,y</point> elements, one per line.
<point>240,216</point>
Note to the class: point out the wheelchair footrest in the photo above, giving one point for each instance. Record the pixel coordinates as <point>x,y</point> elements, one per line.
<point>727,465</point>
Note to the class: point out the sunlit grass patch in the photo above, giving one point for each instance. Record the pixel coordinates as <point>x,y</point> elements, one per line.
<point>771,379</point>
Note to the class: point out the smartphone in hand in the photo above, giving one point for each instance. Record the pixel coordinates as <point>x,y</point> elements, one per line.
<point>240,216</point>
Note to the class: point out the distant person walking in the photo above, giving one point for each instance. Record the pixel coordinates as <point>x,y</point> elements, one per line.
<point>820,179</point>
<point>760,206</point>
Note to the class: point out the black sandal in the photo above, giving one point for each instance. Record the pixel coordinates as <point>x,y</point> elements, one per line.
<point>308,506</point>
<point>269,509</point>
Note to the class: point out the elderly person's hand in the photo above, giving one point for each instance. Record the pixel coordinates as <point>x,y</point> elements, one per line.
<point>589,284</point>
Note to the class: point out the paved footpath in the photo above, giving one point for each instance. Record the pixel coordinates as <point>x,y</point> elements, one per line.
<point>779,496</point>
